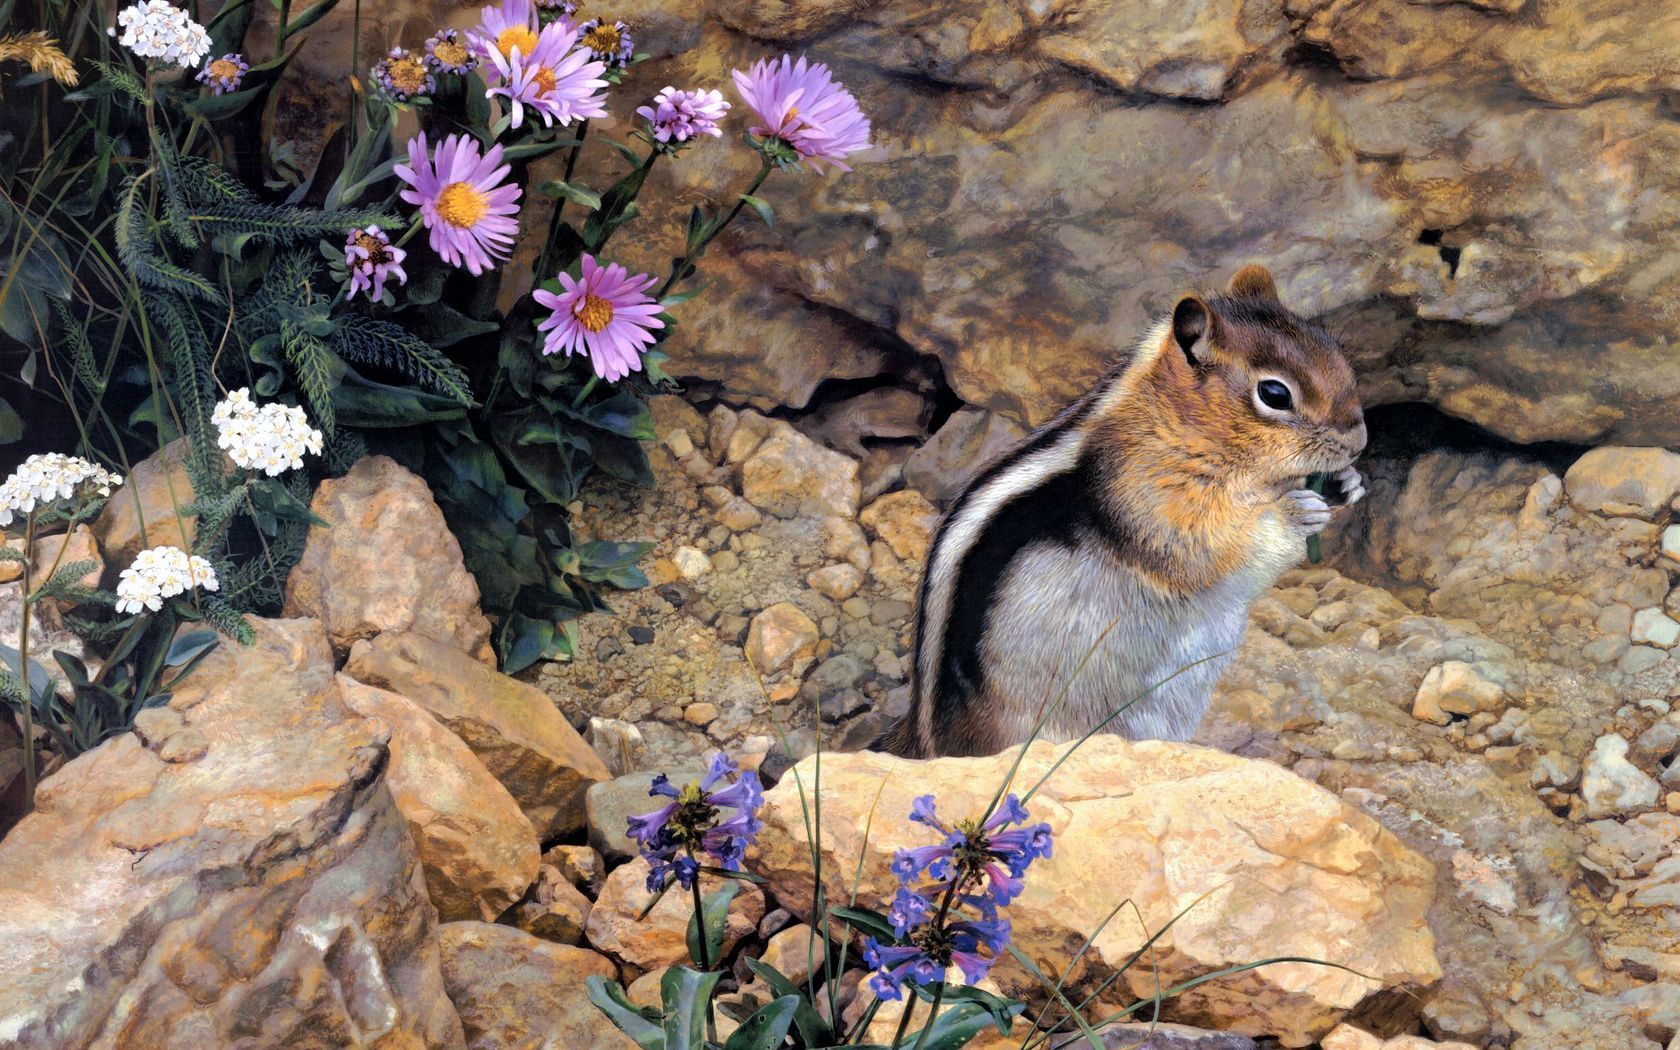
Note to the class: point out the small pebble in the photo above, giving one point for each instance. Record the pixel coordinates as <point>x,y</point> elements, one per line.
<point>641,634</point>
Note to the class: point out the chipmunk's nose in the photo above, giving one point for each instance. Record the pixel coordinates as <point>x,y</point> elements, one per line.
<point>1355,438</point>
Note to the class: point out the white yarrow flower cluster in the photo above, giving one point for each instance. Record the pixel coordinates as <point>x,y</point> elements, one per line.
<point>46,477</point>
<point>269,438</point>
<point>159,573</point>
<point>155,30</point>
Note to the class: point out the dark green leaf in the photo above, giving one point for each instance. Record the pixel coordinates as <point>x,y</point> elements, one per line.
<point>573,192</point>
<point>871,922</point>
<point>715,906</point>
<point>767,1029</point>
<point>628,1018</point>
<point>957,1025</point>
<point>685,993</point>
<point>762,206</point>
<point>813,1030</point>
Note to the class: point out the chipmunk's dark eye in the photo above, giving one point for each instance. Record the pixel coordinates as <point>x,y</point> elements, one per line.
<point>1274,395</point>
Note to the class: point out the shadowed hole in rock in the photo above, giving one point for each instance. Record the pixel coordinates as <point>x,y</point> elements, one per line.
<point>1450,254</point>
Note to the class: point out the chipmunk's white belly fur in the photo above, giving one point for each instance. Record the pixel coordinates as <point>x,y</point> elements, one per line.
<point>1046,638</point>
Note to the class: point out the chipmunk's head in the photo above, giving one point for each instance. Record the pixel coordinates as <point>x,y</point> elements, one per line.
<point>1261,380</point>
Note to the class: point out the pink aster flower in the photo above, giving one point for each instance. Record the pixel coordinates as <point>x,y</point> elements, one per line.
<point>556,79</point>
<point>503,29</point>
<point>677,116</point>
<point>372,258</point>
<point>605,314</point>
<point>463,201</point>
<point>804,106</point>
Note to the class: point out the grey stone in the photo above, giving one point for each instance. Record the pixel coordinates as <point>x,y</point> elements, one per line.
<point>609,804</point>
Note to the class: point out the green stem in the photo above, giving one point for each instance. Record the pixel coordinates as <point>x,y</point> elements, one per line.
<point>583,394</point>
<point>705,953</point>
<point>933,1015</point>
<point>355,62</point>
<point>685,266</point>
<point>282,28</point>
<point>904,1021</point>
<point>545,258</point>
<point>23,669</point>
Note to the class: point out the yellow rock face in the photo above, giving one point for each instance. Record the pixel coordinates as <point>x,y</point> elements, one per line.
<point>1260,862</point>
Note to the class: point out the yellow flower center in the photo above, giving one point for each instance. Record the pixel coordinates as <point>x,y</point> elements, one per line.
<point>516,36</point>
<point>603,39</point>
<point>222,69</point>
<point>544,79</point>
<point>377,255</point>
<point>451,53</point>
<point>461,205</point>
<point>594,313</point>
<point>408,74</point>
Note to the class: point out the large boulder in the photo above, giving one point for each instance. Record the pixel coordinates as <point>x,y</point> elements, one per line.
<point>385,561</point>
<point>623,924</point>
<point>233,873</point>
<point>149,508</point>
<point>1260,862</point>
<point>513,728</point>
<point>479,851</point>
<point>515,992</point>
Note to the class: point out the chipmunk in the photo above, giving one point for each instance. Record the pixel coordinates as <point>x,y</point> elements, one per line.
<point>1115,552</point>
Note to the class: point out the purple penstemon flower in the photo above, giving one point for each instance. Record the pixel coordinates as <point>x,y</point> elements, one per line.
<point>673,837</point>
<point>371,258</point>
<point>976,870</point>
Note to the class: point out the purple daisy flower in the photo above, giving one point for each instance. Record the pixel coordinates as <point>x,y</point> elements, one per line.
<point>224,74</point>
<point>678,116</point>
<point>404,75</point>
<point>608,41</point>
<point>371,258</point>
<point>802,104</point>
<point>556,79</point>
<point>446,53</point>
<point>605,314</point>
<point>463,200</point>
<point>503,29</point>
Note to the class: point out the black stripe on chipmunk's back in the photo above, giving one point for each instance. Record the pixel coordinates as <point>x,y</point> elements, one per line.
<point>959,676</point>
<point>1051,512</point>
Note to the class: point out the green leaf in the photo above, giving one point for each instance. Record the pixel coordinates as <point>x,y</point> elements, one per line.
<point>574,193</point>
<point>685,994</point>
<point>813,1030</point>
<point>762,206</point>
<point>871,922</point>
<point>527,150</point>
<point>308,18</point>
<point>609,998</point>
<point>956,1026</point>
<point>767,1029</point>
<point>11,424</point>
<point>715,908</point>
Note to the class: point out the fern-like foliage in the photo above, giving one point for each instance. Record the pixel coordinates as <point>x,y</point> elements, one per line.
<point>223,207</point>
<point>135,249</point>
<point>313,365</point>
<point>367,340</point>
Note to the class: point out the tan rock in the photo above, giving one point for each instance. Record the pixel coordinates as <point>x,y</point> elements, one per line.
<point>1287,869</point>
<point>516,992</point>
<point>795,952</point>
<point>661,938</point>
<point>1347,1037</point>
<point>1628,482</point>
<point>969,440</point>
<point>691,562</point>
<point>737,515</point>
<point>645,990</point>
<point>149,508</point>
<point>251,865</point>
<point>556,911</point>
<point>905,520</point>
<point>385,561</point>
<point>843,540</point>
<point>836,582</point>
<point>478,849</point>
<point>513,728</point>
<point>791,476</point>
<point>1455,688</point>
<point>700,713</point>
<point>62,550</point>
<point>582,866</point>
<point>778,636</point>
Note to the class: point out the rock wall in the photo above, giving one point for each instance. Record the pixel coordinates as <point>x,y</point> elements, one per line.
<point>1479,197</point>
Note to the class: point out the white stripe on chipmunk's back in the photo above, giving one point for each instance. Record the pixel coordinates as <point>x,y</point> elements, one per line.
<point>959,535</point>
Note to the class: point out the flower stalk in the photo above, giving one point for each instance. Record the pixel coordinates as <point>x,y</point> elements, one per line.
<point>685,266</point>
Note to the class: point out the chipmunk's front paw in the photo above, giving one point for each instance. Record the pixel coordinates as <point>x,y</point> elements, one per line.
<point>1350,486</point>
<point>1305,511</point>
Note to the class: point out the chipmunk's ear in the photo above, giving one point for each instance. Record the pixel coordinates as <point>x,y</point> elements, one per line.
<point>1254,279</point>
<point>1192,329</point>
